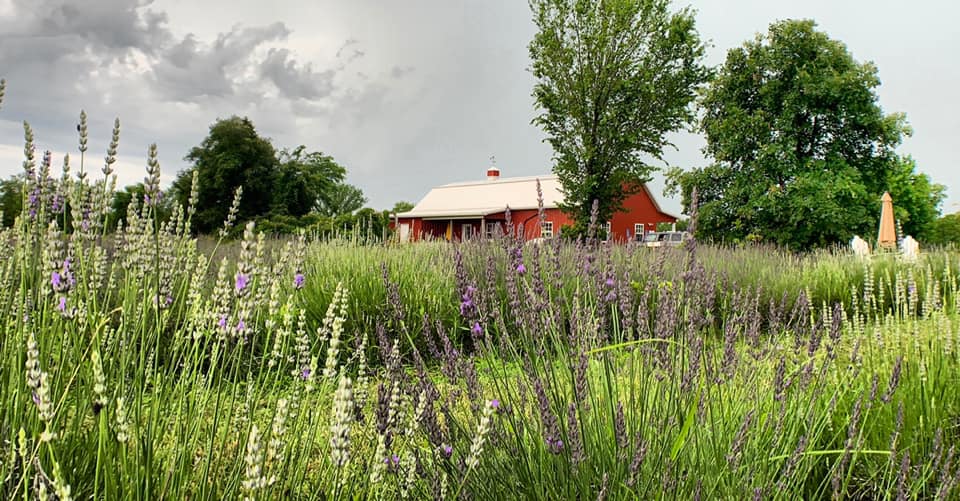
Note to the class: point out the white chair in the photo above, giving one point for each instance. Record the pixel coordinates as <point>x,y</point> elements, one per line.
<point>910,248</point>
<point>860,247</point>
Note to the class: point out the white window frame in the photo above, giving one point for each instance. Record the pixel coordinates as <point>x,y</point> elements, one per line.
<point>490,230</point>
<point>607,229</point>
<point>466,231</point>
<point>639,231</point>
<point>546,229</point>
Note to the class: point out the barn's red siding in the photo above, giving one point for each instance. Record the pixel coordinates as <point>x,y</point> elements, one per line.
<point>638,208</point>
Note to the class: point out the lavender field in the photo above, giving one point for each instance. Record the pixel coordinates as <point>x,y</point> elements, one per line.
<point>149,364</point>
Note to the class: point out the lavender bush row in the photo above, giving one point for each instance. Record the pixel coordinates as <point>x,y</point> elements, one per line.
<point>429,278</point>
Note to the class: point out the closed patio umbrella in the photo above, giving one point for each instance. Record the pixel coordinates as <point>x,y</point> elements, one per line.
<point>888,233</point>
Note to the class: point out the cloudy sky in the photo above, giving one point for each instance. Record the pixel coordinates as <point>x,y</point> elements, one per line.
<point>406,95</point>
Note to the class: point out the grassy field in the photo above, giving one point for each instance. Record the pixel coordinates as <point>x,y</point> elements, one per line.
<point>147,365</point>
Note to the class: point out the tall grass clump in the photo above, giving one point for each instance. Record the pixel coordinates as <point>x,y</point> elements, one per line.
<point>148,363</point>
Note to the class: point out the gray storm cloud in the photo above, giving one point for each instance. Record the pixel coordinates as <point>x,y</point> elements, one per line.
<point>295,81</point>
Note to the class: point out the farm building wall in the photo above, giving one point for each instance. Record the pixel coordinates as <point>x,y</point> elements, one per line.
<point>639,210</point>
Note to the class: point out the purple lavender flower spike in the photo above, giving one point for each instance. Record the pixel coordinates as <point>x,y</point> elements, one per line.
<point>62,305</point>
<point>476,330</point>
<point>298,281</point>
<point>555,445</point>
<point>36,398</point>
<point>495,404</point>
<point>222,323</point>
<point>55,280</point>
<point>305,373</point>
<point>447,450</point>
<point>521,269</point>
<point>467,307</point>
<point>241,326</point>
<point>242,279</point>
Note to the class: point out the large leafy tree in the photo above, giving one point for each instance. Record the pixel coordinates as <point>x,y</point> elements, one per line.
<point>401,206</point>
<point>946,230</point>
<point>613,78</point>
<point>803,151</point>
<point>231,155</point>
<point>341,199</point>
<point>305,179</point>
<point>916,198</point>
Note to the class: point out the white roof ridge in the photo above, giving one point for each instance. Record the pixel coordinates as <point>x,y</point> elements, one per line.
<point>502,180</point>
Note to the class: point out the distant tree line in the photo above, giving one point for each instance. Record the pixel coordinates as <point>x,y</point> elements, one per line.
<point>284,190</point>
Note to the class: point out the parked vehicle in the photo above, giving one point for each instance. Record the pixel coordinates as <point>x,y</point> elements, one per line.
<point>665,238</point>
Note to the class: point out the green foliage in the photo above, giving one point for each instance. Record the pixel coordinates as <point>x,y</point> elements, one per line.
<point>680,225</point>
<point>340,199</point>
<point>916,199</point>
<point>803,151</point>
<point>120,206</point>
<point>401,206</point>
<point>11,199</point>
<point>232,155</point>
<point>613,78</point>
<point>365,226</point>
<point>946,230</point>
<point>286,183</point>
<point>304,180</point>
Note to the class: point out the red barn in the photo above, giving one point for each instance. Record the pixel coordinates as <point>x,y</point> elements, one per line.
<point>478,208</point>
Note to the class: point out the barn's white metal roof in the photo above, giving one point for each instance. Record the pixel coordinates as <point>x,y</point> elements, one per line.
<point>479,198</point>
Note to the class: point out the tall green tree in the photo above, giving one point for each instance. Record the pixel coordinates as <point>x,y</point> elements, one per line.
<point>613,78</point>
<point>916,199</point>
<point>341,199</point>
<point>946,230</point>
<point>304,180</point>
<point>231,155</point>
<point>802,149</point>
<point>401,206</point>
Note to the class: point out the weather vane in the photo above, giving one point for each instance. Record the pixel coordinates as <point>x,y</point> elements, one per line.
<point>493,160</point>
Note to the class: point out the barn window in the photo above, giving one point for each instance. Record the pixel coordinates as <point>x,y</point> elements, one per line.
<point>638,231</point>
<point>546,229</point>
